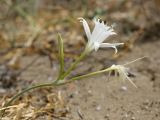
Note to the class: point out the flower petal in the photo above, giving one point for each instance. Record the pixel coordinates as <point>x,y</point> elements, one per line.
<point>114,45</point>
<point>96,46</point>
<point>123,73</point>
<point>101,31</point>
<point>86,28</point>
<point>131,81</point>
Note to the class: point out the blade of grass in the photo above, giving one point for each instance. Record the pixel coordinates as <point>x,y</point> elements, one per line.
<point>61,56</point>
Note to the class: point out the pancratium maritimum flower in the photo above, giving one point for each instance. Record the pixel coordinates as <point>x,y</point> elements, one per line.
<point>99,34</point>
<point>123,73</point>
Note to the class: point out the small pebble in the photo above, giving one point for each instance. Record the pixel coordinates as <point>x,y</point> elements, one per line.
<point>106,116</point>
<point>124,88</point>
<point>89,91</point>
<point>98,108</point>
<point>133,118</point>
<point>126,115</point>
<point>76,92</point>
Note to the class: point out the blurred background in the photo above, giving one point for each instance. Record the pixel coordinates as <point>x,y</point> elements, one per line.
<point>29,47</point>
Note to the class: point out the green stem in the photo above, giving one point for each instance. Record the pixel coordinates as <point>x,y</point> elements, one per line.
<point>88,75</point>
<point>26,90</point>
<point>74,65</point>
<point>61,57</point>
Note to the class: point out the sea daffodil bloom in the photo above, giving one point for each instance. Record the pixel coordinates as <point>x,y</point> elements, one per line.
<point>123,73</point>
<point>99,34</point>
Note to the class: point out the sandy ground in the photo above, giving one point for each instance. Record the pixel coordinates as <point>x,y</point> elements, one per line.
<point>93,98</point>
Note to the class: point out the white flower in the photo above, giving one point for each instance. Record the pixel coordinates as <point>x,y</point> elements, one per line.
<point>123,73</point>
<point>99,34</point>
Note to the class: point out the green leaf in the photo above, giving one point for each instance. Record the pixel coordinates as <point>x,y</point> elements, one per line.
<point>60,55</point>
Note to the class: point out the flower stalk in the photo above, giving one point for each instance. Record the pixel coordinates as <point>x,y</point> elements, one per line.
<point>90,74</point>
<point>73,66</point>
<point>28,89</point>
<point>60,56</point>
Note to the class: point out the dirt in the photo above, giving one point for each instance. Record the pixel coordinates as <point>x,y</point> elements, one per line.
<point>94,98</point>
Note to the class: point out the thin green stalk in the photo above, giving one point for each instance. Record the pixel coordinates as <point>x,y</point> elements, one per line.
<point>74,65</point>
<point>61,56</point>
<point>26,90</point>
<point>88,75</point>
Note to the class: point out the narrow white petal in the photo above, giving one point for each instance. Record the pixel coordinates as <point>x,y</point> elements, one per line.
<point>131,81</point>
<point>101,31</point>
<point>134,60</point>
<point>86,28</point>
<point>114,45</point>
<point>124,72</point>
<point>109,75</point>
<point>96,46</point>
